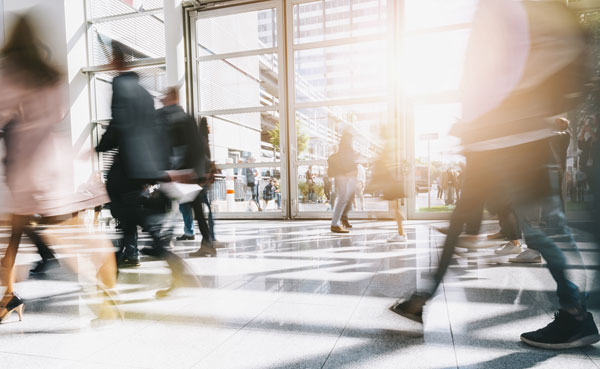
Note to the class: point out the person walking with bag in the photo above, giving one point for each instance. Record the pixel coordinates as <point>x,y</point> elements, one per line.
<point>342,166</point>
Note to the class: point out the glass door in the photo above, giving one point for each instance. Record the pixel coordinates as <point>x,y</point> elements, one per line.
<point>239,87</point>
<point>340,56</point>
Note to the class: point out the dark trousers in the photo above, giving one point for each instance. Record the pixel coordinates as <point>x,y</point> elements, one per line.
<point>205,223</point>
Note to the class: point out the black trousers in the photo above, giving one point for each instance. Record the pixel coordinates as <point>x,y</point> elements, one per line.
<point>201,218</point>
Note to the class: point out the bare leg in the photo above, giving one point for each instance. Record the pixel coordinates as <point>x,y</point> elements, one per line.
<point>398,215</point>
<point>8,262</point>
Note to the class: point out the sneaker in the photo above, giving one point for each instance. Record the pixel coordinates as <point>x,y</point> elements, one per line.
<point>186,237</point>
<point>527,256</point>
<point>508,249</point>
<point>339,229</point>
<point>495,236</point>
<point>128,261</point>
<point>411,308</point>
<point>43,266</point>
<point>566,331</point>
<point>397,238</point>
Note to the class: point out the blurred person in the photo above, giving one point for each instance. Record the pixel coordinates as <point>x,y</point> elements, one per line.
<point>142,161</point>
<point>560,145</point>
<point>310,183</point>
<point>342,166</point>
<point>253,184</point>
<point>440,190</point>
<point>580,184</point>
<point>388,179</point>
<point>268,193</point>
<point>327,189</point>
<point>361,180</point>
<point>189,150</point>
<point>277,192</point>
<point>32,105</point>
<point>506,99</point>
<point>586,141</point>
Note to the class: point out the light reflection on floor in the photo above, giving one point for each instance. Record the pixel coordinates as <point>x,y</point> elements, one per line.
<point>293,295</point>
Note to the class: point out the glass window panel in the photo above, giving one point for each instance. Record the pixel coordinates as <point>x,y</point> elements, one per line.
<point>265,193</point>
<point>105,8</point>
<point>345,71</point>
<point>236,137</point>
<point>335,19</point>
<point>238,82</point>
<point>433,122</point>
<point>139,37</point>
<point>237,32</point>
<point>319,129</point>
<point>435,61</point>
<point>423,14</point>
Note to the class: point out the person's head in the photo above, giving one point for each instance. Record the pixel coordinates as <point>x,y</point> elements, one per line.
<point>171,97</point>
<point>346,140</point>
<point>23,59</point>
<point>562,124</point>
<point>118,57</point>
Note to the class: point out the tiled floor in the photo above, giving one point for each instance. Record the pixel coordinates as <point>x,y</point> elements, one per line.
<point>293,295</point>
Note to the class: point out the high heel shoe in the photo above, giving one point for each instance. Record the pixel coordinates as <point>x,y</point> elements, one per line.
<point>15,304</point>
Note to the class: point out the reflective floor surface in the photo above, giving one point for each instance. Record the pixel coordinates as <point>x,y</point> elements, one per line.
<point>293,295</point>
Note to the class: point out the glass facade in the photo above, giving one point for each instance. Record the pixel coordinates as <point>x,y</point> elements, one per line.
<point>277,107</point>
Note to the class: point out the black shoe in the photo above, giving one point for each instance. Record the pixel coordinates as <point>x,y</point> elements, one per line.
<point>128,261</point>
<point>151,251</point>
<point>206,250</point>
<point>43,266</point>
<point>411,308</point>
<point>566,331</point>
<point>346,224</point>
<point>185,237</point>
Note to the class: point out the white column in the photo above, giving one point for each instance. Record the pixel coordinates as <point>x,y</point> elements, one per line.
<point>174,44</point>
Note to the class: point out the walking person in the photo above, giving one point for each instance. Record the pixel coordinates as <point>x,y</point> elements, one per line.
<point>512,137</point>
<point>252,183</point>
<point>32,102</point>
<point>142,162</point>
<point>342,166</point>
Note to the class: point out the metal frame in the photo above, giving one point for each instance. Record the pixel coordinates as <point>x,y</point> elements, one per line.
<point>111,18</point>
<point>231,9</point>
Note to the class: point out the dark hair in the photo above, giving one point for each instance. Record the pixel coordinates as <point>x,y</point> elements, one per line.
<point>22,58</point>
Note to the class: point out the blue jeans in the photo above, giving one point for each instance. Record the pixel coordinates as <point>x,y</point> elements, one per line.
<point>188,218</point>
<point>344,188</point>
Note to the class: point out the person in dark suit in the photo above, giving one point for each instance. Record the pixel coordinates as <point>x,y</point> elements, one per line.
<point>142,160</point>
<point>189,150</point>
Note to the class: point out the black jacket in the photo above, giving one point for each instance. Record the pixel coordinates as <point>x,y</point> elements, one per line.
<point>135,132</point>
<point>188,148</point>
